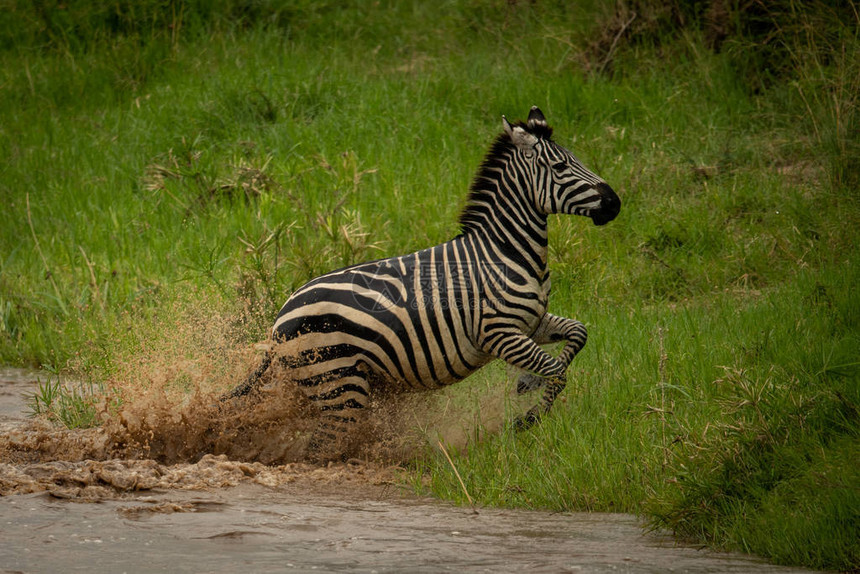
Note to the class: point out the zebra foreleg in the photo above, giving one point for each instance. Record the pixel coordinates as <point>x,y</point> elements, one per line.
<point>552,329</point>
<point>521,351</point>
<point>534,414</point>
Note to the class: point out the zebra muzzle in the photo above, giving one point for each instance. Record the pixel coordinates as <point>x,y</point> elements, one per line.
<point>610,205</point>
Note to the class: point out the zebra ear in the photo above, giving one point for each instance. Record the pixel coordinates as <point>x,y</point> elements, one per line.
<point>536,118</point>
<point>523,140</point>
<point>519,137</point>
<point>507,125</point>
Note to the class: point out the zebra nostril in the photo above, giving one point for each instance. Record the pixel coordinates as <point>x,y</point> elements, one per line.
<point>608,196</point>
<point>610,205</point>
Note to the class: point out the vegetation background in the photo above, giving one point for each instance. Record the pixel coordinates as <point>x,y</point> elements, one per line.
<point>169,162</point>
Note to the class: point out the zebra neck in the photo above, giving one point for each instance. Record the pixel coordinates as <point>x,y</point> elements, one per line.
<point>509,242</point>
<point>500,212</point>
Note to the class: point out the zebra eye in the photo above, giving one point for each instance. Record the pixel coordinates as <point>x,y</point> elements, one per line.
<point>560,166</point>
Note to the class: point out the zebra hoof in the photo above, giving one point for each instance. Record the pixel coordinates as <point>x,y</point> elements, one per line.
<point>528,420</point>
<point>529,382</point>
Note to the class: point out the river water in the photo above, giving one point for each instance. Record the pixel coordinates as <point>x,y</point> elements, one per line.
<point>216,514</point>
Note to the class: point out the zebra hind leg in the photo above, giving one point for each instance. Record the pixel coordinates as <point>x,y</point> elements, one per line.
<point>341,399</point>
<point>332,436</point>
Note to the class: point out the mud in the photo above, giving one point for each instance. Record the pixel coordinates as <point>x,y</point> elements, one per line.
<point>138,495</point>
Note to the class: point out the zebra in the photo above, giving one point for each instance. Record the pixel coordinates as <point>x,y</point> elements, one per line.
<point>432,317</point>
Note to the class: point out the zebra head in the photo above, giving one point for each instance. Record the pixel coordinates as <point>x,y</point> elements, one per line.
<point>561,183</point>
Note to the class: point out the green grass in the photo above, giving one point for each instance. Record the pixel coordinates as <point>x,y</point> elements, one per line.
<point>713,417</point>
<point>70,405</point>
<point>175,163</point>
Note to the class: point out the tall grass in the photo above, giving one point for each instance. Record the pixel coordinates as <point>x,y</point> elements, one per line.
<point>163,155</point>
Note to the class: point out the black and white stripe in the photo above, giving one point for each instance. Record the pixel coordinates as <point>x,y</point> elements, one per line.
<point>431,318</point>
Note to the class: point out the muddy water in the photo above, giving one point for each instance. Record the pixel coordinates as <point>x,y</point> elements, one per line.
<point>217,514</point>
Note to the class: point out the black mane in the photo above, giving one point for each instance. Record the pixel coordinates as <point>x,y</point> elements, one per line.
<point>471,216</point>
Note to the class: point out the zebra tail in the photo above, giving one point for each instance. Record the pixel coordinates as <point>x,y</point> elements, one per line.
<point>252,382</point>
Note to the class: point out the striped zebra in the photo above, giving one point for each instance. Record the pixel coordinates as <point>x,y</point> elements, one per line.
<point>430,318</point>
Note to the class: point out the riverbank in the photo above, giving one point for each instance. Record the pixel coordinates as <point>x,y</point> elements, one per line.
<point>213,514</point>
